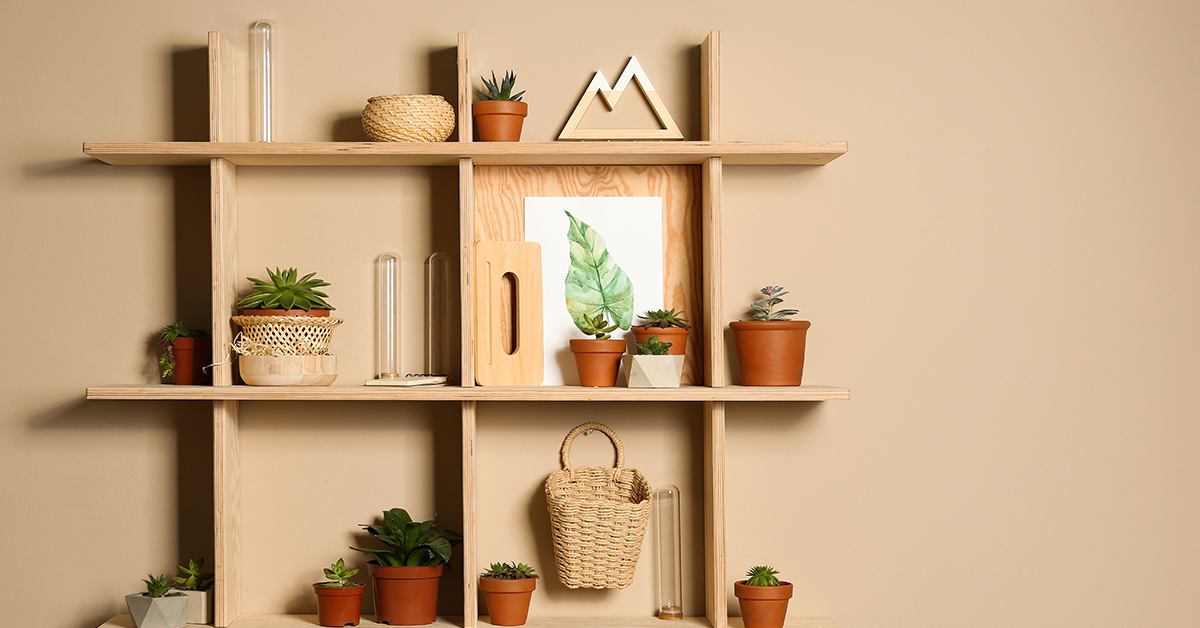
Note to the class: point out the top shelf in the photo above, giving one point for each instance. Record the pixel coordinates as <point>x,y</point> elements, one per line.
<point>448,153</point>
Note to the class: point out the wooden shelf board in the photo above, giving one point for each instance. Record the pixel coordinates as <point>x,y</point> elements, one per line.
<point>305,621</point>
<point>448,153</point>
<point>474,393</point>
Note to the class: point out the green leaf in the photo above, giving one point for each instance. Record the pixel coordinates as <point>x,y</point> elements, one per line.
<point>595,284</point>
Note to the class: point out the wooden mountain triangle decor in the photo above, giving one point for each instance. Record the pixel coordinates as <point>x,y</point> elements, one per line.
<point>610,95</point>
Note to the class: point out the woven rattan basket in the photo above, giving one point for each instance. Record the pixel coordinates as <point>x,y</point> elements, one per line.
<point>598,517</point>
<point>285,335</point>
<point>408,118</point>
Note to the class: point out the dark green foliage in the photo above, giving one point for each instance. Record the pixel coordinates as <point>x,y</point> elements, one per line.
<point>410,544</point>
<point>157,587</point>
<point>595,326</point>
<point>664,318</point>
<point>762,576</point>
<point>192,578</point>
<point>499,90</point>
<point>509,571</point>
<point>653,346</point>
<point>285,292</point>
<point>167,337</point>
<point>763,309</point>
<point>338,576</point>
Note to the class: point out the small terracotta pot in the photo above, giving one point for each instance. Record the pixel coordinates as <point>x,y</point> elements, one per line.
<point>598,361</point>
<point>763,607</point>
<point>405,596</point>
<point>191,356</point>
<point>499,120</point>
<point>285,312</point>
<point>770,353</point>
<point>339,606</point>
<point>507,600</point>
<point>677,336</point>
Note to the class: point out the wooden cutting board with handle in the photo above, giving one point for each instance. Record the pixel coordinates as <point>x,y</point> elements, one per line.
<point>508,313</point>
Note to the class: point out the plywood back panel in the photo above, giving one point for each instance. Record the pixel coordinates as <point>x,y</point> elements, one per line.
<point>499,201</point>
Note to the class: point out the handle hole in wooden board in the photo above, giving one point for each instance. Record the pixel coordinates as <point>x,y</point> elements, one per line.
<point>509,305</point>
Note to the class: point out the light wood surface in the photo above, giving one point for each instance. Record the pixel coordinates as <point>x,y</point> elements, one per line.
<point>475,393</point>
<point>713,330</point>
<point>469,548</point>
<point>715,574</point>
<point>307,621</point>
<point>448,153</point>
<point>221,102</point>
<point>508,336</point>
<point>611,95</point>
<point>465,130</point>
<point>710,88</point>
<point>226,509</point>
<point>466,265</point>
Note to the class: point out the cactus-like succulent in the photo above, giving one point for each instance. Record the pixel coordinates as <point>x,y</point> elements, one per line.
<point>664,318</point>
<point>762,576</point>
<point>285,292</point>
<point>653,346</point>
<point>192,578</point>
<point>509,571</point>
<point>595,326</point>
<point>157,587</point>
<point>764,309</point>
<point>500,90</point>
<point>338,575</point>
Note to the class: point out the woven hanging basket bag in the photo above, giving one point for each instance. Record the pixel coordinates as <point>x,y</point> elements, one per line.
<point>598,517</point>
<point>408,118</point>
<point>285,335</point>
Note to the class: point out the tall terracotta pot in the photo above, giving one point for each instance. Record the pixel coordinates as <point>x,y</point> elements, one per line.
<point>770,353</point>
<point>191,356</point>
<point>677,336</point>
<point>405,596</point>
<point>763,607</point>
<point>499,120</point>
<point>507,600</point>
<point>339,606</point>
<point>598,361</point>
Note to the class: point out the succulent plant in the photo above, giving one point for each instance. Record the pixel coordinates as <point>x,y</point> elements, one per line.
<point>500,90</point>
<point>192,578</point>
<point>764,309</point>
<point>595,326</point>
<point>664,318</point>
<point>167,337</point>
<point>410,544</point>
<point>509,571</point>
<point>653,346</point>
<point>762,576</point>
<point>338,576</point>
<point>285,292</point>
<point>157,587</point>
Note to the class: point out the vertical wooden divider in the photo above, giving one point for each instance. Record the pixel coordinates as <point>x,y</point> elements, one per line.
<point>716,578</point>
<point>466,233</point>
<point>226,479</point>
<point>465,132</point>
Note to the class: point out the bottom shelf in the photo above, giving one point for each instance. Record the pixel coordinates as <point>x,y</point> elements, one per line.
<point>307,621</point>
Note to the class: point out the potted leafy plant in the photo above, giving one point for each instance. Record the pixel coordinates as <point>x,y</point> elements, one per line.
<point>597,359</point>
<point>405,575</point>
<point>185,353</point>
<point>763,598</point>
<point>499,113</point>
<point>159,607</point>
<point>197,586</point>
<point>507,589</point>
<point>670,327</point>
<point>286,332</point>
<point>597,290</point>
<point>653,366</point>
<point>339,601</point>
<point>770,346</point>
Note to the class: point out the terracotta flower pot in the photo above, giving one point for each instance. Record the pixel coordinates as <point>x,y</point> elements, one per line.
<point>770,353</point>
<point>499,120</point>
<point>763,607</point>
<point>405,596</point>
<point>677,336</point>
<point>598,361</point>
<point>507,600</point>
<point>339,606</point>
<point>191,356</point>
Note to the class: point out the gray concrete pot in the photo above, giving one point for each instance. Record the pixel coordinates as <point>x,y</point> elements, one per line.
<point>200,606</point>
<point>169,611</point>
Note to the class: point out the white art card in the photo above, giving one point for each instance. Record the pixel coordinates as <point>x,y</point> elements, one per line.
<point>632,230</point>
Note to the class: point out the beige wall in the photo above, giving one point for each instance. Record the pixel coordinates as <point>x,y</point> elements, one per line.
<point>1003,270</point>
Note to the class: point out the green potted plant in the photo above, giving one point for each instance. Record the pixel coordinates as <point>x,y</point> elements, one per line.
<point>185,353</point>
<point>670,327</point>
<point>652,366</point>
<point>770,346</point>
<point>597,290</point>
<point>763,598</point>
<point>197,586</point>
<point>286,332</point>
<point>499,113</point>
<point>405,575</point>
<point>339,601</point>
<point>507,589</point>
<point>160,606</point>
<point>597,359</point>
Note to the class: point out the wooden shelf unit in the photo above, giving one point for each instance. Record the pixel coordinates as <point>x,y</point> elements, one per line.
<point>223,156</point>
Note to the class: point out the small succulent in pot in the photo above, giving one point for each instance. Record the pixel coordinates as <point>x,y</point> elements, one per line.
<point>770,345</point>
<point>157,587</point>
<point>192,578</point>
<point>500,90</point>
<point>197,585</point>
<point>339,601</point>
<point>339,576</point>
<point>499,113</point>
<point>507,589</point>
<point>763,598</point>
<point>167,338</point>
<point>764,309</point>
<point>159,606</point>
<point>285,292</point>
<point>653,346</point>
<point>596,326</point>
<point>664,319</point>
<point>653,366</point>
<point>509,571</point>
<point>762,576</point>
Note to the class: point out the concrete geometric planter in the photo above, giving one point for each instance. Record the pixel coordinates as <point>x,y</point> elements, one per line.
<point>653,371</point>
<point>169,611</point>
<point>200,606</point>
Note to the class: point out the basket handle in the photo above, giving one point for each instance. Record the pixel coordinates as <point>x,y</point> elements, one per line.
<point>587,427</point>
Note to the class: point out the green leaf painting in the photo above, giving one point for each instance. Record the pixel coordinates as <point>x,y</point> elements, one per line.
<point>595,284</point>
